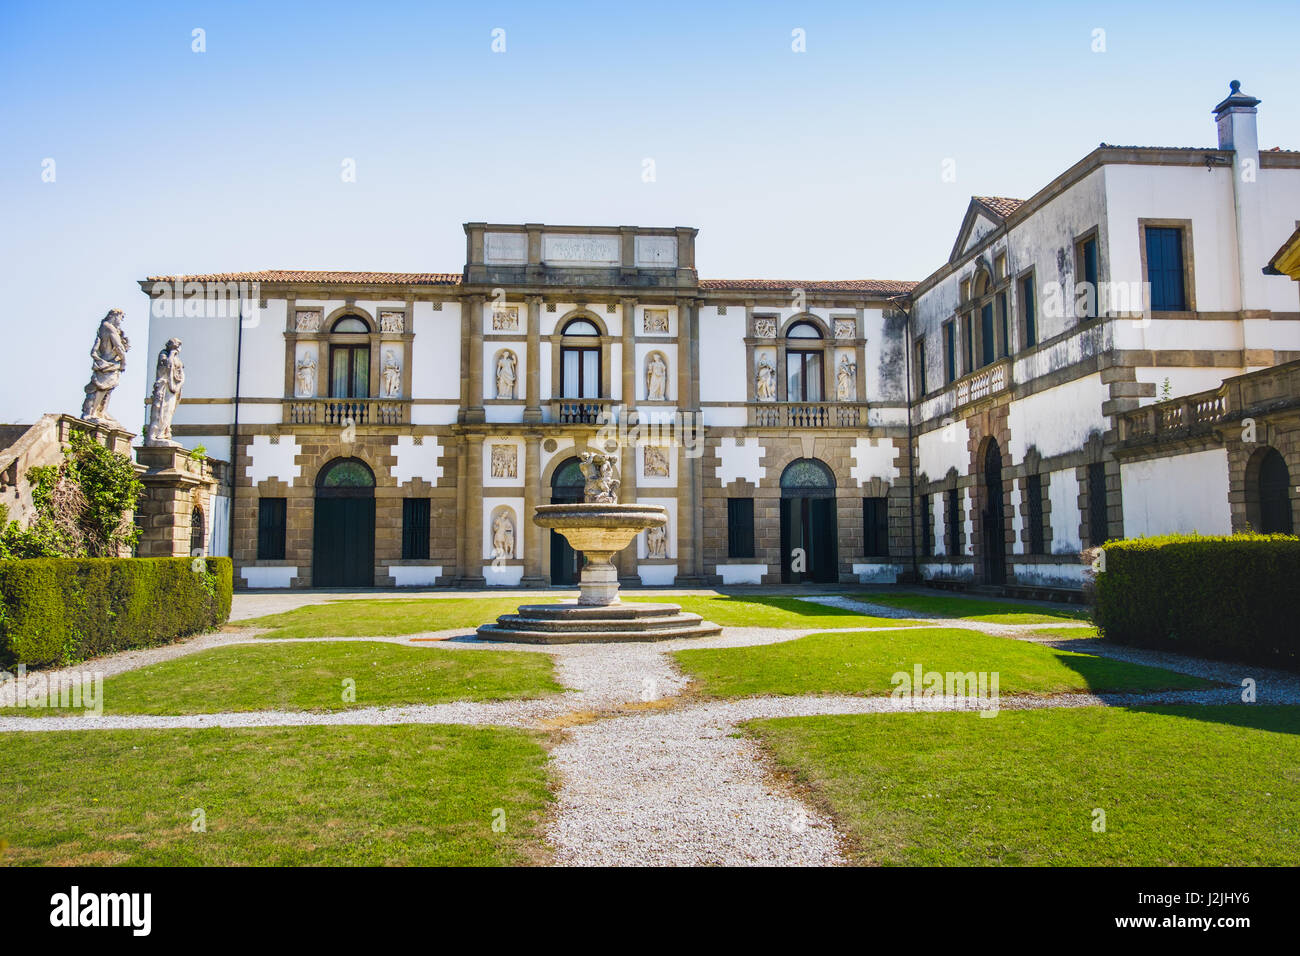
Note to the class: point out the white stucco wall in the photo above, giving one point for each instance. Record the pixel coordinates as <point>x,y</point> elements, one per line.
<point>1183,493</point>
<point>1063,494</point>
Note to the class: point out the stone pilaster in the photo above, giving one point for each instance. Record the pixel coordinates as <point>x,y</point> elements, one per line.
<point>532,373</point>
<point>533,535</point>
<point>474,412</point>
<point>472,575</point>
<point>627,492</point>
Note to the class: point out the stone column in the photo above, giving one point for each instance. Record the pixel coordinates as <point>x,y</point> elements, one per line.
<point>474,409</point>
<point>473,573</point>
<point>688,502</point>
<point>533,535</point>
<point>532,373</point>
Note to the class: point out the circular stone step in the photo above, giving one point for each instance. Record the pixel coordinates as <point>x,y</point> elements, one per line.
<point>574,623</point>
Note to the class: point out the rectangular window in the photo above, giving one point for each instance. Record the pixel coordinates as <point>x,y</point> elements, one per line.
<point>1089,307</point>
<point>1096,504</point>
<point>1004,324</point>
<point>986,334</point>
<point>803,376</point>
<point>415,529</point>
<point>1028,308</point>
<point>920,366</point>
<point>1034,494</point>
<point>927,526</point>
<point>875,527</point>
<point>740,527</point>
<point>349,371</point>
<point>1165,268</point>
<point>270,529</point>
<point>950,352</point>
<point>580,372</point>
<point>968,342</point>
<point>951,521</point>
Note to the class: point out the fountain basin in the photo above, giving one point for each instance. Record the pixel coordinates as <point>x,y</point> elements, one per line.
<point>599,530</point>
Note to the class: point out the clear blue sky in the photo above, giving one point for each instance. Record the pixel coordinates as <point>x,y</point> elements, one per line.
<point>822,164</point>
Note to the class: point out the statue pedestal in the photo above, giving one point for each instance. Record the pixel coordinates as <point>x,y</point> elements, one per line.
<point>598,583</point>
<point>176,486</point>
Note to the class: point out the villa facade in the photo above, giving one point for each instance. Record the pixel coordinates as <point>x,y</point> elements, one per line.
<point>1107,358</point>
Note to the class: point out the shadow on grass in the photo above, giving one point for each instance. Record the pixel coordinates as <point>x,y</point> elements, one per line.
<point>1275,718</point>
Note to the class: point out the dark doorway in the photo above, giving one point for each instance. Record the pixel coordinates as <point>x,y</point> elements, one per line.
<point>343,554</point>
<point>809,532</point>
<point>566,488</point>
<point>993,526</point>
<point>1274,494</point>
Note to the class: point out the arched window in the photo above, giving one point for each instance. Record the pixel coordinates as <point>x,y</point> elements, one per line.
<point>580,360</point>
<point>803,366</point>
<point>807,478</point>
<point>198,539</point>
<point>1268,493</point>
<point>346,473</point>
<point>350,358</point>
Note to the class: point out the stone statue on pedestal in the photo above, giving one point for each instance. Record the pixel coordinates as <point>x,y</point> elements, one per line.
<point>107,363</point>
<point>169,378</point>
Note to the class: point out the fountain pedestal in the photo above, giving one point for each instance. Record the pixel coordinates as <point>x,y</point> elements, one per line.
<point>599,530</point>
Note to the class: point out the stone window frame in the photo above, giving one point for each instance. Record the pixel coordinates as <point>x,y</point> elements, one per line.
<point>980,296</point>
<point>1021,313</point>
<point>825,345</point>
<point>1093,233</point>
<point>325,339</point>
<point>1189,267</point>
<point>603,342</point>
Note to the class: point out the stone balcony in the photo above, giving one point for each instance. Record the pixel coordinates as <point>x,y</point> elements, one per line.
<point>810,415</point>
<point>1258,393</point>
<point>339,412</point>
<point>971,388</point>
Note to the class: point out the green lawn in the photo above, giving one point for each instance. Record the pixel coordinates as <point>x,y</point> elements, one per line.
<point>863,663</point>
<point>1180,786</point>
<point>973,608</point>
<point>282,796</point>
<point>310,676</point>
<point>381,617</point>
<point>767,612</point>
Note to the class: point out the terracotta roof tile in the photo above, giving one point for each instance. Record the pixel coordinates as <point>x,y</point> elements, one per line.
<point>327,278</point>
<point>1000,204</point>
<point>870,286</point>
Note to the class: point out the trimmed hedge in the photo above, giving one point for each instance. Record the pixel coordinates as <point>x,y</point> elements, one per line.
<point>63,610</point>
<point>1229,597</point>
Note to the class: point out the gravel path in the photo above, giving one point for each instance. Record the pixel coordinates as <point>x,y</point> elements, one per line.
<point>649,776</point>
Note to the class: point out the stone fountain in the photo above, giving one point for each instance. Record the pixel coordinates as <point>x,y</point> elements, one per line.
<point>600,528</point>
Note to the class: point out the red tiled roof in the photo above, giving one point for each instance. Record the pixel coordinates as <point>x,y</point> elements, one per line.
<point>1000,204</point>
<point>329,278</point>
<point>870,286</point>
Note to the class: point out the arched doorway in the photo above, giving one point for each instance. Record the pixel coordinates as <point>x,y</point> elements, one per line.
<point>992,526</point>
<point>809,534</point>
<point>198,540</point>
<point>343,553</point>
<point>1268,502</point>
<point>566,488</point>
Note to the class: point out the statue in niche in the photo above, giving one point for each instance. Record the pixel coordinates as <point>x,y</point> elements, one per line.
<point>391,376</point>
<point>656,377</point>
<point>656,462</point>
<point>601,486</point>
<point>656,542</point>
<point>305,375</point>
<point>846,379</point>
<point>503,535</point>
<point>107,363</point>
<point>765,381</point>
<point>167,383</point>
<point>507,374</point>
